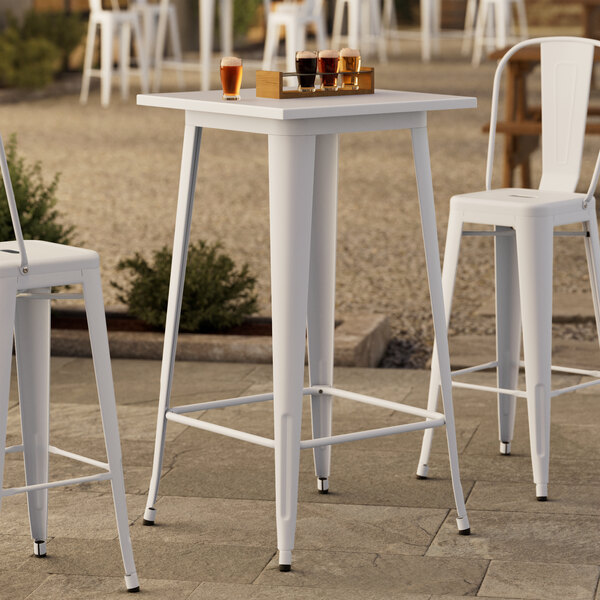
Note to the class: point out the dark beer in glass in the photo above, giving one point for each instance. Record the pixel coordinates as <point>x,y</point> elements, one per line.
<point>328,67</point>
<point>306,67</point>
<point>349,61</point>
<point>231,77</point>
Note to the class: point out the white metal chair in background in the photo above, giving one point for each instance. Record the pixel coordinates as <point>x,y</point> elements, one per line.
<point>494,25</point>
<point>28,270</point>
<point>524,222</point>
<point>364,26</point>
<point>158,19</point>
<point>113,22</point>
<point>295,18</point>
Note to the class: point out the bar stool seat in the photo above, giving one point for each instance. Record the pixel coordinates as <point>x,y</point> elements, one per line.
<point>28,272</point>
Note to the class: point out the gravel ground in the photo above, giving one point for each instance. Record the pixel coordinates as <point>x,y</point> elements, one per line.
<point>119,176</point>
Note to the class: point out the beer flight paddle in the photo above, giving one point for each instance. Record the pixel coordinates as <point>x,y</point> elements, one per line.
<point>269,84</point>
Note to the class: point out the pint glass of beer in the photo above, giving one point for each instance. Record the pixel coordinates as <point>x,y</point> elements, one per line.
<point>306,67</point>
<point>328,67</point>
<point>349,61</point>
<point>231,77</point>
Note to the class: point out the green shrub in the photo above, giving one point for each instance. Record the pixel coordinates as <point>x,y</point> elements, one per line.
<point>64,31</point>
<point>216,296</point>
<point>26,62</point>
<point>35,200</point>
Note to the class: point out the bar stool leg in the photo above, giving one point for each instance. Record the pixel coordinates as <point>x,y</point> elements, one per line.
<point>32,342</point>
<point>124,58</point>
<point>94,307</point>
<point>141,56</point>
<point>176,44</point>
<point>185,202</point>
<point>451,253</point>
<point>207,19</point>
<point>87,61</point>
<point>106,59</point>
<point>592,250</point>
<point>8,293</point>
<point>291,177</point>
<point>534,248</point>
<point>508,333</point>
<point>432,259</point>
<point>321,297</point>
<point>159,47</point>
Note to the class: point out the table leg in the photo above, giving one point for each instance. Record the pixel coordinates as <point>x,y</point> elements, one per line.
<point>185,203</point>
<point>291,176</point>
<point>226,23</point>
<point>321,297</point>
<point>434,275</point>
<point>207,19</point>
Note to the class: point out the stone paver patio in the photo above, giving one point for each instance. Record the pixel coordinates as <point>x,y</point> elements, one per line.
<point>379,534</point>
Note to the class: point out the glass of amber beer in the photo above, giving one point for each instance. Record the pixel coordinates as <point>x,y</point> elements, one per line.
<point>306,67</point>
<point>231,77</point>
<point>328,68</point>
<point>349,61</point>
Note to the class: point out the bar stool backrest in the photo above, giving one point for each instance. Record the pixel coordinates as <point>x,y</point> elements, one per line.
<point>566,69</point>
<point>12,206</point>
<point>96,5</point>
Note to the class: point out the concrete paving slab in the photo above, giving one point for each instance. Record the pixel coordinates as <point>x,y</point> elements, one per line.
<point>336,527</point>
<point>379,572</point>
<point>15,589</point>
<point>75,587</point>
<point>76,515</point>
<point>228,591</point>
<point>187,562</point>
<point>507,496</point>
<point>520,536</point>
<point>532,580</point>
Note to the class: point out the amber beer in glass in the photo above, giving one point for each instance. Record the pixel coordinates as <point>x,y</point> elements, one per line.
<point>231,77</point>
<point>328,67</point>
<point>306,67</point>
<point>349,61</point>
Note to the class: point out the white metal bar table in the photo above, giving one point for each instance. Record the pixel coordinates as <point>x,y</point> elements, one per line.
<point>303,159</point>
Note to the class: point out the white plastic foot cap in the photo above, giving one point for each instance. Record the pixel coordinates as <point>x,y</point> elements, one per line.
<point>132,583</point>
<point>422,471</point>
<point>285,557</point>
<point>463,523</point>
<point>323,484</point>
<point>150,515</point>
<point>39,547</point>
<point>505,448</point>
<point>541,490</point>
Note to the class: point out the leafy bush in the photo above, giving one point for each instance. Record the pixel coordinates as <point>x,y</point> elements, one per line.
<point>216,296</point>
<point>35,200</point>
<point>26,63</point>
<point>64,31</point>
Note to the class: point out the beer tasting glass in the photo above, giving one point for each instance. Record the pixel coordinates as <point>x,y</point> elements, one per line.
<point>328,68</point>
<point>349,61</point>
<point>231,77</point>
<point>306,67</point>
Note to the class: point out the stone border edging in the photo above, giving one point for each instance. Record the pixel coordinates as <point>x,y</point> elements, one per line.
<point>360,341</point>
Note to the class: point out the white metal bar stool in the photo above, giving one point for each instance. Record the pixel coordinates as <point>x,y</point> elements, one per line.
<point>494,25</point>
<point>364,26</point>
<point>28,270</point>
<point>113,22</point>
<point>524,222</point>
<point>295,18</point>
<point>158,20</point>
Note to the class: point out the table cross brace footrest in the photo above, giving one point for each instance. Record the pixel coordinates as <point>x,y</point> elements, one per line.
<point>433,419</point>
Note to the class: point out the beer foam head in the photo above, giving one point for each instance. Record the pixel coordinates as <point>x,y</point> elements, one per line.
<point>305,54</point>
<point>349,52</point>
<point>231,61</point>
<point>328,54</point>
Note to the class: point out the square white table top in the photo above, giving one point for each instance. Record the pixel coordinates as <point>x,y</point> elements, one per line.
<point>380,103</point>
